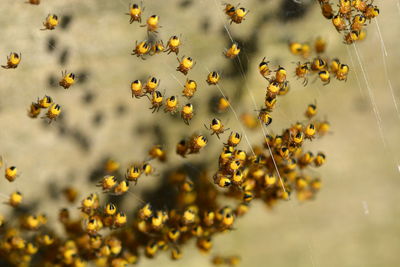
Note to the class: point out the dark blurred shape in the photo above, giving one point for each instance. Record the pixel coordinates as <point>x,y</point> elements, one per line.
<point>65,21</point>
<point>88,97</point>
<point>83,76</point>
<point>51,44</point>
<point>292,10</point>
<point>205,24</point>
<point>53,189</point>
<point>98,118</point>
<point>121,109</point>
<point>159,134</point>
<point>64,56</point>
<point>52,81</point>
<point>62,130</point>
<point>81,139</point>
<point>185,3</point>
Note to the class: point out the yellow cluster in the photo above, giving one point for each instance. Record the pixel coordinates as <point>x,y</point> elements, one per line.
<point>53,109</point>
<point>195,209</point>
<point>350,17</point>
<point>323,66</point>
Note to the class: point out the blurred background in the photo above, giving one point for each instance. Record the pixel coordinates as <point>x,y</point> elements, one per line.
<point>354,221</point>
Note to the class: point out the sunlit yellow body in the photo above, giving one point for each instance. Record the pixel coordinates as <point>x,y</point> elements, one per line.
<point>67,80</point>
<point>13,61</point>
<point>51,22</point>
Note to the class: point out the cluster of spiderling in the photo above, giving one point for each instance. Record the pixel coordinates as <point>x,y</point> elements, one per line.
<point>106,235</point>
<point>236,14</point>
<point>278,86</point>
<point>324,67</point>
<point>351,17</point>
<point>249,176</point>
<point>53,109</point>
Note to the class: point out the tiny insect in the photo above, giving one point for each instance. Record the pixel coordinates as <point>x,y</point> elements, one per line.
<point>223,104</point>
<point>284,88</point>
<point>239,15</point>
<point>133,173</point>
<point>156,101</point>
<point>152,23</point>
<point>323,128</point>
<point>187,113</point>
<point>70,193</point>
<point>280,75</point>
<point>33,2</point>
<point>145,212</point>
<point>110,209</point>
<point>189,88</point>
<point>141,49</point>
<point>121,188</point>
<point>147,169</point>
<point>137,89</point>
<point>319,159</point>
<point>273,88</point>
<point>229,10</point>
<point>264,69</point>
<point>324,76</point>
<point>360,5</point>
<point>13,61</point>
<point>157,47</point>
<point>51,22</point>
<point>45,102</point>
<point>334,67</point>
<point>327,10</point>
<point>339,23</point>
<point>34,110</point>
<point>213,78</point>
<point>320,45</point>
<point>67,80</point>
<point>358,23</point>
<point>310,131</point>
<point>158,152</point>
<point>351,37</point>
<point>173,45</point>
<point>111,166</point>
<point>151,85</point>
<point>53,112</point>
<point>204,244</point>
<point>345,8</point>
<point>234,139</point>
<point>120,219</point>
<point>171,104</point>
<point>296,48</point>
<point>342,72</point>
<point>151,249</point>
<point>311,111</point>
<point>15,199</point>
<point>135,11</point>
<point>264,117</point>
<point>318,64</point>
<point>216,127</point>
<point>270,102</point>
<point>233,51</point>
<point>182,148</point>
<point>185,64</point>
<point>176,253</point>
<point>107,183</point>
<point>196,143</point>
<point>302,71</point>
<point>11,173</point>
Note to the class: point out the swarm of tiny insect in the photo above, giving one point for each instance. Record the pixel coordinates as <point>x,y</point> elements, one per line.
<point>350,17</point>
<point>322,67</point>
<point>100,230</point>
